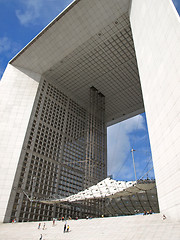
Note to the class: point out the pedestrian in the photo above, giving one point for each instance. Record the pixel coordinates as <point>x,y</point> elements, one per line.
<point>40,237</point>
<point>64,228</point>
<point>39,225</point>
<point>67,228</point>
<point>44,226</point>
<point>53,221</point>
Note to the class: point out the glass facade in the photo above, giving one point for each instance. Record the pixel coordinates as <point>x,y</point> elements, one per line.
<point>64,152</point>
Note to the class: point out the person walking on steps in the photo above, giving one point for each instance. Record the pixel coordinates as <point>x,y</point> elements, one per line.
<point>39,225</point>
<point>53,221</point>
<point>64,228</point>
<point>44,226</point>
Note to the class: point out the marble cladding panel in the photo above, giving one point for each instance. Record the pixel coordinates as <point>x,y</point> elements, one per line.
<point>156,31</point>
<point>18,88</point>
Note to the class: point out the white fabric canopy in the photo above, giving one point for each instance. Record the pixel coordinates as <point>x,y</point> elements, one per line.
<point>107,188</point>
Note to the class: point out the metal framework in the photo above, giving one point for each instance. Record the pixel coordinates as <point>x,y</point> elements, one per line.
<point>63,153</point>
<point>119,197</point>
<point>108,188</point>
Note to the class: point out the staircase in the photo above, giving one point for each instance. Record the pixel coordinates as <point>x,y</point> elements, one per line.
<point>149,227</point>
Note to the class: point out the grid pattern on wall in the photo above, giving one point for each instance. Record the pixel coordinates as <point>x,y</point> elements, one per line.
<point>133,204</point>
<point>107,61</point>
<point>95,165</point>
<point>53,158</point>
<point>91,45</point>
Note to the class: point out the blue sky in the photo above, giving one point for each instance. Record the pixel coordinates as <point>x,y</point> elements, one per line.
<point>124,136</point>
<point>20,22</point>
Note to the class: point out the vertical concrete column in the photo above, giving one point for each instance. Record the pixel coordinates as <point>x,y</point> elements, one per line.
<point>95,166</point>
<point>156,33</point>
<point>18,89</point>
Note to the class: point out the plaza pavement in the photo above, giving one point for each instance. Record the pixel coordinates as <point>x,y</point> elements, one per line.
<point>150,227</point>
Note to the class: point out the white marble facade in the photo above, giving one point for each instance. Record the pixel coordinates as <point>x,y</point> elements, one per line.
<point>156,32</point>
<point>18,89</point>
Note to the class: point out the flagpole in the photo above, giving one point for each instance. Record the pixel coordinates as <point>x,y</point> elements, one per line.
<point>132,150</point>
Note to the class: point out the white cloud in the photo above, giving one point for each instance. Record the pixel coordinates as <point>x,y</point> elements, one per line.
<point>8,47</point>
<point>39,11</point>
<point>30,12</point>
<point>5,44</point>
<point>120,144</point>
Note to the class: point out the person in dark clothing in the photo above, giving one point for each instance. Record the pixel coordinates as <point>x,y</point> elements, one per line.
<point>64,227</point>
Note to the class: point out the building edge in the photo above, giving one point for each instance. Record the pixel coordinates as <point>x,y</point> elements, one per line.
<point>156,35</point>
<point>18,91</point>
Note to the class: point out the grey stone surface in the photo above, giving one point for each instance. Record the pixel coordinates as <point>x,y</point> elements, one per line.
<point>120,228</point>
